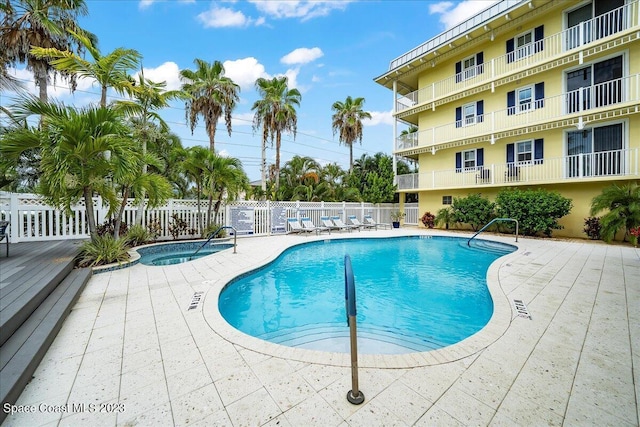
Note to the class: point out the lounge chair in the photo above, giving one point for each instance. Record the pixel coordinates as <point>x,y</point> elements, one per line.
<point>3,234</point>
<point>337,221</point>
<point>373,223</point>
<point>307,224</point>
<point>356,222</point>
<point>295,227</point>
<point>326,221</point>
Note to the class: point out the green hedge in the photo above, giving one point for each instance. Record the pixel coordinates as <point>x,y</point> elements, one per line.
<point>537,211</point>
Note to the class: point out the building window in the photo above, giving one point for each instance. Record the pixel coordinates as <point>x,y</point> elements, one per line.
<point>597,151</point>
<point>469,114</point>
<point>596,85</point>
<point>524,151</point>
<point>469,67</point>
<point>525,44</point>
<point>525,99</point>
<point>447,200</point>
<point>469,160</point>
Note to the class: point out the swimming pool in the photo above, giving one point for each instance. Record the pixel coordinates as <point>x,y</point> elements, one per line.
<point>413,294</point>
<point>178,252</point>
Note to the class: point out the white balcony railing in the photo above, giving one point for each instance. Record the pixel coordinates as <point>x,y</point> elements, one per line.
<point>623,18</point>
<point>605,164</point>
<point>593,98</point>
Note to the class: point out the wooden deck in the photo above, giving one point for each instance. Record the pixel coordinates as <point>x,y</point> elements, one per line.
<point>38,287</point>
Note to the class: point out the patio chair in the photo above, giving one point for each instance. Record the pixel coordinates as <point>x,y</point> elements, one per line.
<point>337,221</point>
<point>308,224</point>
<point>356,222</point>
<point>4,235</point>
<point>327,222</point>
<point>369,220</point>
<point>295,227</point>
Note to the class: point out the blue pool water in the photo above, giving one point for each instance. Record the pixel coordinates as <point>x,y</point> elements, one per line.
<point>413,294</point>
<point>177,253</point>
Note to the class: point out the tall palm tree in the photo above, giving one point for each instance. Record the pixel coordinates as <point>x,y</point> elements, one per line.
<point>623,205</point>
<point>41,23</point>
<point>194,167</point>
<point>276,113</point>
<point>72,144</point>
<point>148,97</point>
<point>225,179</point>
<point>211,94</point>
<point>108,70</point>
<point>347,122</point>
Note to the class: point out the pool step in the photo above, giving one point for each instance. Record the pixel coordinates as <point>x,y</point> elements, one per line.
<point>489,246</point>
<point>335,337</point>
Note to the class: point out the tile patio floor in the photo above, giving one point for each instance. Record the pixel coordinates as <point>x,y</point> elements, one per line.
<point>131,341</point>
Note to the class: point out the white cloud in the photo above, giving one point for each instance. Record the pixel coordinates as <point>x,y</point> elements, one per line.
<point>292,79</point>
<point>302,55</point>
<point>144,4</point>
<point>379,118</point>
<point>304,9</point>
<point>454,13</point>
<point>244,72</point>
<point>242,119</point>
<point>218,17</point>
<point>167,72</point>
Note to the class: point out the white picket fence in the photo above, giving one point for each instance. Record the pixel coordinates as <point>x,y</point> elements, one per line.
<point>32,219</point>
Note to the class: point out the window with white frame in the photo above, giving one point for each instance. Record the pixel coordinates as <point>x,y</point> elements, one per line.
<point>525,98</point>
<point>524,152</point>
<point>524,45</point>
<point>469,114</point>
<point>469,159</point>
<point>469,67</point>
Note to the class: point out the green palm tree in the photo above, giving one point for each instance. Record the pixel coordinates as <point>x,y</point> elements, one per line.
<point>623,205</point>
<point>225,179</point>
<point>108,70</point>
<point>148,97</point>
<point>73,144</point>
<point>276,113</point>
<point>194,167</point>
<point>347,122</point>
<point>211,94</point>
<point>41,23</point>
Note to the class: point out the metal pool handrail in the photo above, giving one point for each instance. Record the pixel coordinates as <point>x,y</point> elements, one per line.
<point>354,395</point>
<point>212,235</point>
<point>491,222</point>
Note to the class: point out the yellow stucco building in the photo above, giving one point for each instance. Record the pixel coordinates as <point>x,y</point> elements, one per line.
<point>535,94</point>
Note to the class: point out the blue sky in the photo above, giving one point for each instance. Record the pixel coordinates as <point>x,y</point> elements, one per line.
<point>328,50</point>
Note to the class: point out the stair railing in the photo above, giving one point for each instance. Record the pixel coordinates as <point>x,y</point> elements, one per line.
<point>491,222</point>
<point>214,234</point>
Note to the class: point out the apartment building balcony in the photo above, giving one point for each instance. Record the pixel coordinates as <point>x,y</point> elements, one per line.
<point>613,98</point>
<point>611,30</point>
<point>604,165</point>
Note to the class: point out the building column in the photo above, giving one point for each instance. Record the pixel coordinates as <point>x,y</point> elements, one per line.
<point>395,132</point>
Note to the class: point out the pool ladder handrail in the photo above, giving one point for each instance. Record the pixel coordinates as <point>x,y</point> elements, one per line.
<point>491,222</point>
<point>214,234</point>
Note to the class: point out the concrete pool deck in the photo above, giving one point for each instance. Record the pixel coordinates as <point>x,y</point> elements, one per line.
<point>132,352</point>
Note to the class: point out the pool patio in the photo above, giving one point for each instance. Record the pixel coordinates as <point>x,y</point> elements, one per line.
<point>133,343</point>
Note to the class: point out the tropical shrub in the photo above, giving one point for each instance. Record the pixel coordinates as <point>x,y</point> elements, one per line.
<point>444,217</point>
<point>178,226</point>
<point>138,235</point>
<point>474,210</point>
<point>592,227</point>
<point>428,219</point>
<point>211,228</point>
<point>623,205</point>
<point>537,211</point>
<point>109,226</point>
<point>102,250</point>
<point>154,228</point>
<point>635,233</point>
